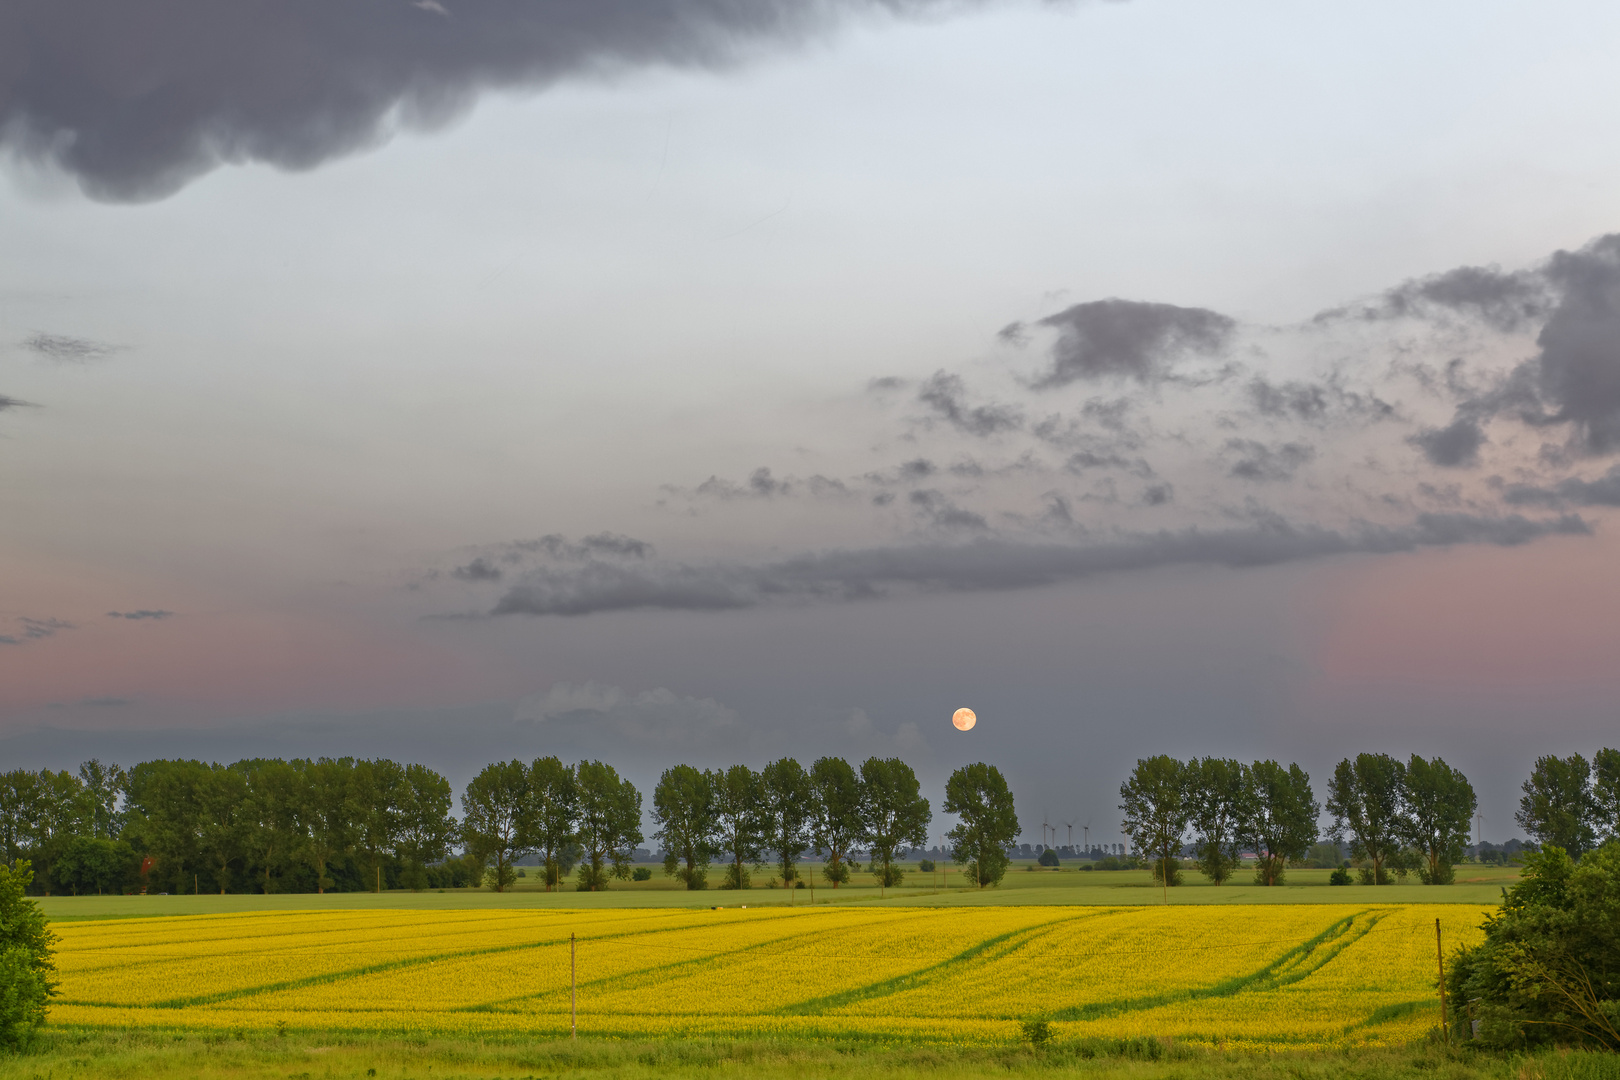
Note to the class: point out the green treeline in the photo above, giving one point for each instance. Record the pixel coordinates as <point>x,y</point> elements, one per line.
<point>258,825</point>
<point>344,824</point>
<point>1396,817</point>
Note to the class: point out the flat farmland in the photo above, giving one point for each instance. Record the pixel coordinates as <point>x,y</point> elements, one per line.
<point>1235,976</point>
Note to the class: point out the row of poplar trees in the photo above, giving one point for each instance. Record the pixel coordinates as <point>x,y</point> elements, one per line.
<point>1386,811</point>
<point>587,816</point>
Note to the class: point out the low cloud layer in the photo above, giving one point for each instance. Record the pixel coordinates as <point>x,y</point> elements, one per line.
<point>989,564</point>
<point>134,101</point>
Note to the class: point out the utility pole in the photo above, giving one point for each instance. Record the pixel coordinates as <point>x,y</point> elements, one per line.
<point>573,990</point>
<point>1440,958</point>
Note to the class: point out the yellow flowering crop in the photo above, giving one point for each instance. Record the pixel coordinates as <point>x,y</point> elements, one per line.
<point>1242,976</point>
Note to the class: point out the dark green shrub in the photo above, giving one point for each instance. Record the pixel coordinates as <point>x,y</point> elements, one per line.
<point>1048,858</point>
<point>26,961</point>
<point>926,866</point>
<point>641,873</point>
<point>1549,967</point>
<point>1340,876</point>
<point>1037,1032</point>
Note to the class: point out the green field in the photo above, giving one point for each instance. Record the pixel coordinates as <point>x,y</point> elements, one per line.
<point>1023,885</point>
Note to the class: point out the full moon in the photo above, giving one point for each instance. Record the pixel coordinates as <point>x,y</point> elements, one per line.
<point>964,719</point>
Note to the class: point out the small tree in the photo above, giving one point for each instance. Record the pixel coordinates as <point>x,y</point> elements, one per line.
<point>609,824</point>
<point>27,964</point>
<point>787,814</point>
<point>978,795</point>
<point>1440,805</point>
<point>1557,807</point>
<point>495,823</point>
<point>553,818</point>
<point>1365,796</point>
<point>1218,790</point>
<point>1282,822</point>
<point>739,821</point>
<point>1154,800</point>
<point>893,812</point>
<point>683,810</point>
<point>835,826</point>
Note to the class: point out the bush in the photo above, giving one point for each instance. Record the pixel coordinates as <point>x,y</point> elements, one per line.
<point>1173,865</point>
<point>926,866</point>
<point>1048,858</point>
<point>1340,876</point>
<point>1037,1032</point>
<point>26,961</point>
<point>1549,967</point>
<point>641,873</point>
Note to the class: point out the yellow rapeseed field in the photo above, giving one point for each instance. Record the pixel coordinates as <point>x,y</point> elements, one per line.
<point>1240,976</point>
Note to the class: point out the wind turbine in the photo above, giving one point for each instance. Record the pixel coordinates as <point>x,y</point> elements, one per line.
<point>1044,826</point>
<point>1070,826</point>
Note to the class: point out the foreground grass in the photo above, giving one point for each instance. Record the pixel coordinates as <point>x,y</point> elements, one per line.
<point>59,1053</point>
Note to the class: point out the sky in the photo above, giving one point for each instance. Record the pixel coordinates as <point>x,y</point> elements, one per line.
<point>711,380</point>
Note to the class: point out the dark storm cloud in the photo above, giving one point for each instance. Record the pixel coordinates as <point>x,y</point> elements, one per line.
<point>992,564</point>
<point>1578,369</point>
<point>13,403</point>
<point>60,348</point>
<point>135,100</point>
<point>1604,491</point>
<point>1453,446</point>
<point>946,395</point>
<point>141,615</point>
<point>1128,339</point>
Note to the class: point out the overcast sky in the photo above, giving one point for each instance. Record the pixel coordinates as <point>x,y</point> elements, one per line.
<point>708,380</point>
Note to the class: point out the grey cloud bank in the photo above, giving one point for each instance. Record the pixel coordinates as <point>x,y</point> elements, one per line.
<point>135,100</point>
<point>989,564</point>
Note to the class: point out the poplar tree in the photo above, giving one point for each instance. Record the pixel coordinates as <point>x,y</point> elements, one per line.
<point>893,813</point>
<point>836,825</point>
<point>494,819</point>
<point>1365,796</point>
<point>1218,793</point>
<point>1440,804</point>
<point>609,824</point>
<point>787,814</point>
<point>739,821</point>
<point>1155,803</point>
<point>1558,806</point>
<point>683,810</point>
<point>553,818</point>
<point>988,822</point>
<point>1282,818</point>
